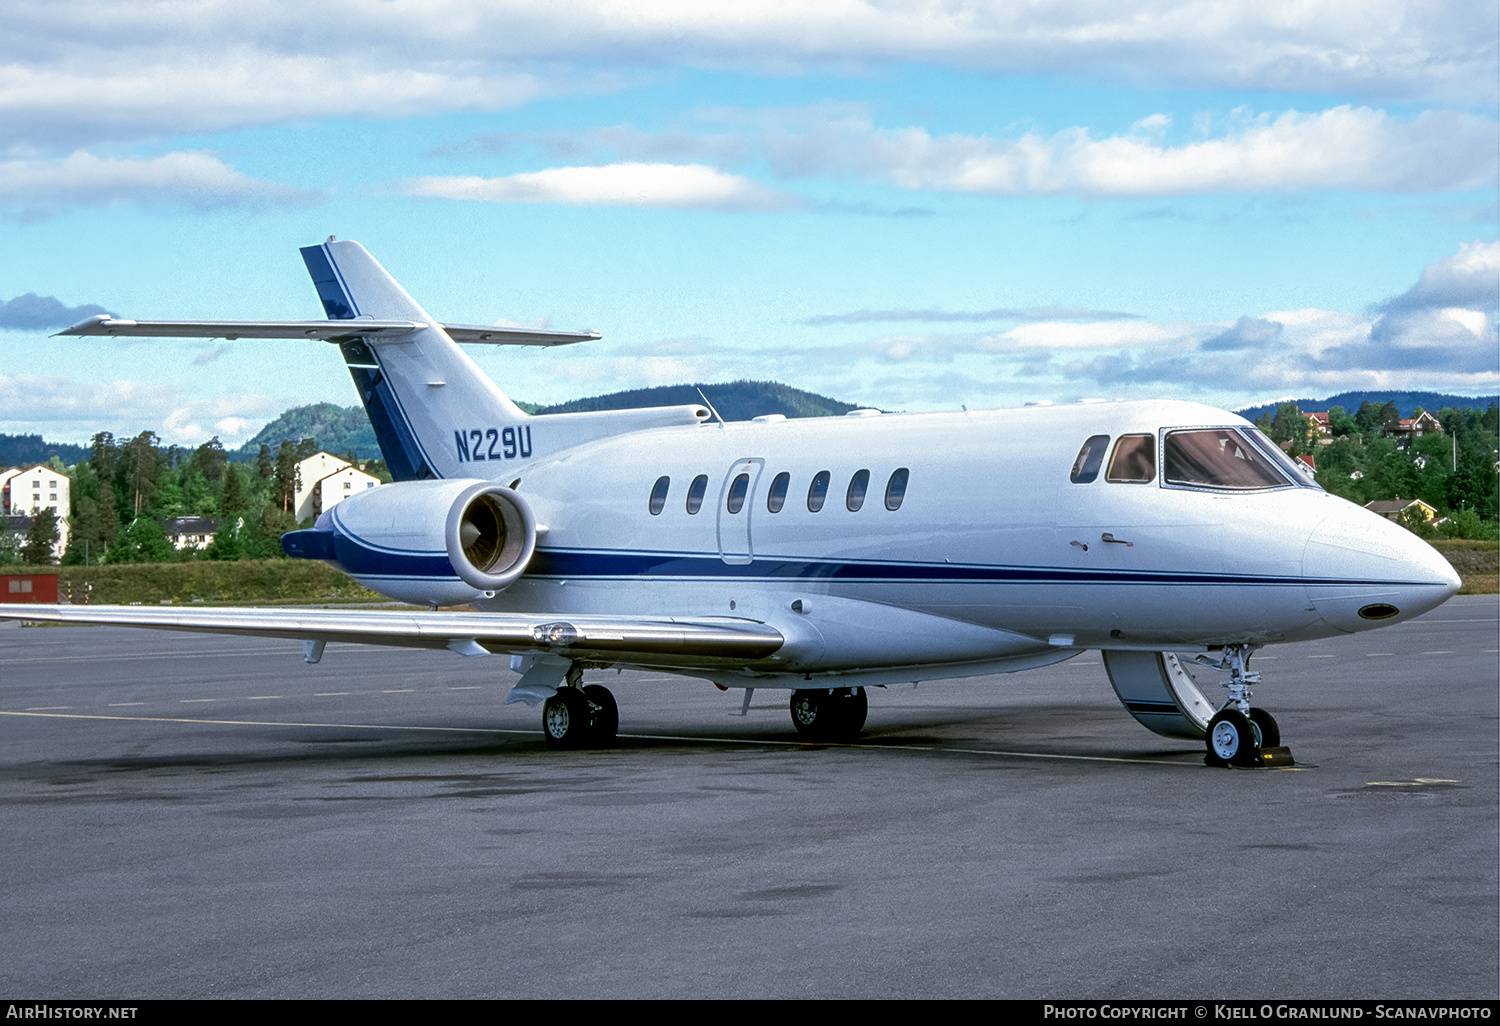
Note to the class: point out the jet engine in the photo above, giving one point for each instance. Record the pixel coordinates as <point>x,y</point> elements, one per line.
<point>430,542</point>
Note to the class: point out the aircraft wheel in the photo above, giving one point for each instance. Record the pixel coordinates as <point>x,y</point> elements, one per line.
<point>825,716</point>
<point>1232,740</point>
<point>1270,733</point>
<point>605,714</point>
<point>565,719</point>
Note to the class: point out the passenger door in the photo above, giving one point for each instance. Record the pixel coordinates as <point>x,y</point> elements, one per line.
<point>736,504</point>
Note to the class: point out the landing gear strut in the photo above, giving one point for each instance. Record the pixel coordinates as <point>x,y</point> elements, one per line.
<point>1239,735</point>
<point>580,717</point>
<point>829,714</point>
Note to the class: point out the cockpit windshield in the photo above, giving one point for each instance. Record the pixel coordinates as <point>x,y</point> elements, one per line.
<point>1220,458</point>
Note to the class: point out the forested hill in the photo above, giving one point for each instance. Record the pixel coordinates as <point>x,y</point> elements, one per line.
<point>1405,402</point>
<point>336,429</point>
<point>340,429</point>
<point>735,400</point>
<point>28,450</point>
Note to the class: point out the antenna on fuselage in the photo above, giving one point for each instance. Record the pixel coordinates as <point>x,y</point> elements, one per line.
<point>710,407</point>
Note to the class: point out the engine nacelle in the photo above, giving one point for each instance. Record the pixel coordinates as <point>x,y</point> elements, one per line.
<point>445,542</point>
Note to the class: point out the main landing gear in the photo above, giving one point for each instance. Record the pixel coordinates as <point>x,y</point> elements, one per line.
<point>1239,735</point>
<point>829,714</point>
<point>580,716</point>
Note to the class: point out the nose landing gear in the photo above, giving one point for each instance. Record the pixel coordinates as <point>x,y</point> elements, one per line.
<point>1240,735</point>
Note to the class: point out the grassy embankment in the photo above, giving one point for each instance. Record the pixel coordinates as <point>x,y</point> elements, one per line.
<point>300,581</point>
<point>241,582</point>
<point>1477,562</point>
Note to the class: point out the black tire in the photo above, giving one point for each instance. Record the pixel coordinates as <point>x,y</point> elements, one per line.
<point>1231,740</point>
<point>1270,733</point>
<point>856,706</point>
<point>822,715</point>
<point>565,719</point>
<point>605,714</point>
<point>807,711</point>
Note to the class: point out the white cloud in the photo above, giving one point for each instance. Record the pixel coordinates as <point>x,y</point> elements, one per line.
<point>663,186</point>
<point>1439,335</point>
<point>1340,148</point>
<point>35,188</point>
<point>88,70</point>
<point>60,407</point>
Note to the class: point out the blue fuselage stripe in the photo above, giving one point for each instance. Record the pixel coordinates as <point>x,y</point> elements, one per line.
<point>359,559</point>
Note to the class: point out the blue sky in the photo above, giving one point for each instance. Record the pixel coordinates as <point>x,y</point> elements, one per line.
<point>905,205</point>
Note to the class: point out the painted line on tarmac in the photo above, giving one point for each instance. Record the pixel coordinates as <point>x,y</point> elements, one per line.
<point>264,723</point>
<point>632,737</point>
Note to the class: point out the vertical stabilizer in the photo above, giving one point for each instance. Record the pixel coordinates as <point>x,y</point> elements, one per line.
<point>431,406</point>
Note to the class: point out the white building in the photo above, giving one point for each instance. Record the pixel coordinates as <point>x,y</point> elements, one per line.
<point>29,490</point>
<point>191,532</point>
<point>323,481</point>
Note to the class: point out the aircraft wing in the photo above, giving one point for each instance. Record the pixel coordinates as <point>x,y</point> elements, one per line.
<point>663,640</point>
<point>330,330</point>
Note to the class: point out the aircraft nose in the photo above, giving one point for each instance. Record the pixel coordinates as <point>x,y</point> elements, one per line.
<point>1363,571</point>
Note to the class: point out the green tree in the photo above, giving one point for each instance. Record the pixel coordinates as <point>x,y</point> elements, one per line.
<point>211,459</point>
<point>286,475</point>
<point>41,540</point>
<point>1474,485</point>
<point>1340,424</point>
<point>104,456</point>
<point>1414,521</point>
<point>142,464</point>
<point>10,548</point>
<point>143,541</point>
<point>1290,426</point>
<point>234,499</point>
<point>227,543</point>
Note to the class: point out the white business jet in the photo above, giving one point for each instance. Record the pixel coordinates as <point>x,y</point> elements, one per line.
<point>821,556</point>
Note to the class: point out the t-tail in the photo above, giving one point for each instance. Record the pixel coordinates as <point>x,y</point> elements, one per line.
<point>435,413</point>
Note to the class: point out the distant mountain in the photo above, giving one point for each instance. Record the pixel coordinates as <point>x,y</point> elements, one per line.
<point>1405,402</point>
<point>336,429</point>
<point>29,450</point>
<point>734,400</point>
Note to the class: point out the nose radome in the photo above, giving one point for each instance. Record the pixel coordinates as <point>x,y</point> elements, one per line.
<point>1362,570</point>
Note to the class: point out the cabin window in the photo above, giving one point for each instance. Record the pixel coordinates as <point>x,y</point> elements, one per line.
<point>1090,459</point>
<point>696,491</point>
<point>1134,460</point>
<point>858,485</point>
<point>737,489</point>
<point>817,491</point>
<point>659,494</point>
<point>776,497</point>
<point>895,489</point>
<point>1216,459</point>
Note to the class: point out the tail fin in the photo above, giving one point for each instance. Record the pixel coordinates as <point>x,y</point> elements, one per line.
<point>435,413</point>
<point>431,406</point>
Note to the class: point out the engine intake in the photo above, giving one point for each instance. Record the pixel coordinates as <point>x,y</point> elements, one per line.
<point>491,535</point>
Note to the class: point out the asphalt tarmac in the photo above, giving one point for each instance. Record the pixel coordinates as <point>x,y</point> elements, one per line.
<point>188,816</point>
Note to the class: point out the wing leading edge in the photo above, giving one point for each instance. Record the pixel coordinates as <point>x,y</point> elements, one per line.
<point>332,330</point>
<point>663,641</point>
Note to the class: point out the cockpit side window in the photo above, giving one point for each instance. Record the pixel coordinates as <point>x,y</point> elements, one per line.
<point>1134,460</point>
<point>1217,458</point>
<point>1090,459</point>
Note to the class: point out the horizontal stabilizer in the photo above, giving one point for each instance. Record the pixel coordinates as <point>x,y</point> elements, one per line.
<point>332,331</point>
<point>573,637</point>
